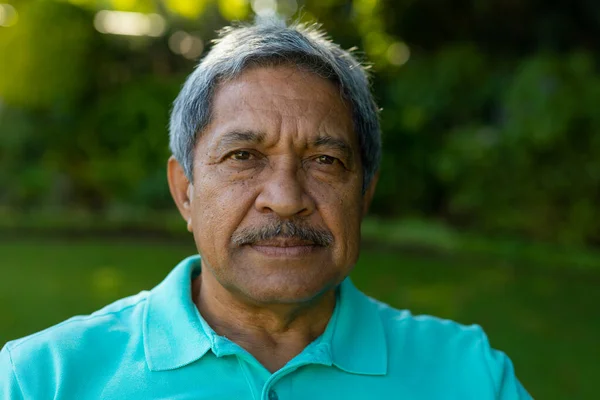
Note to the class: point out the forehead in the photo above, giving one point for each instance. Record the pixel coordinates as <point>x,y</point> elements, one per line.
<point>278,95</point>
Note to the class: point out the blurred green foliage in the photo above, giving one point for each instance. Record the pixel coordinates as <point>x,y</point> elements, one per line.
<point>489,107</point>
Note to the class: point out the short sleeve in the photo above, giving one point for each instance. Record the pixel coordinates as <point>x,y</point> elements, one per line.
<point>9,386</point>
<point>502,373</point>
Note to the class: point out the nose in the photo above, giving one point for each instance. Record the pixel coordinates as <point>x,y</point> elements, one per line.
<point>284,194</point>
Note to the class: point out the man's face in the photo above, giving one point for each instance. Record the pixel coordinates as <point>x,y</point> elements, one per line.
<point>276,202</point>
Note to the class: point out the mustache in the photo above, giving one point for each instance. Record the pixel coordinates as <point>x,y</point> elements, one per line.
<point>282,229</point>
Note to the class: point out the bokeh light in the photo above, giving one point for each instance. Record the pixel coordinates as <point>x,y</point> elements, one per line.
<point>129,23</point>
<point>398,53</point>
<point>8,15</point>
<point>188,45</point>
<point>264,8</point>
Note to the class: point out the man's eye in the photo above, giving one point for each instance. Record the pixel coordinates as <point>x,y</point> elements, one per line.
<point>326,160</point>
<point>240,155</point>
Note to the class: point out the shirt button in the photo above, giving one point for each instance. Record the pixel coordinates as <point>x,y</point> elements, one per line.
<point>273,395</point>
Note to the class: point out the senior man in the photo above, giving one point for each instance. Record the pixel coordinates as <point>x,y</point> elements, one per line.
<point>276,147</point>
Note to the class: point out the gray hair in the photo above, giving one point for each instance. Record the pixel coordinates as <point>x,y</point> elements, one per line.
<point>270,43</point>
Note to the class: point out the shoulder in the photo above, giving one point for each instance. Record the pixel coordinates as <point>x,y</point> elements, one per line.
<point>425,328</point>
<point>120,316</point>
<point>424,338</point>
<point>431,349</point>
<point>75,343</point>
<point>37,363</point>
<point>84,348</point>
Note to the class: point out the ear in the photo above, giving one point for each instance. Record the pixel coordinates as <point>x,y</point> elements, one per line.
<point>368,196</point>
<point>181,189</point>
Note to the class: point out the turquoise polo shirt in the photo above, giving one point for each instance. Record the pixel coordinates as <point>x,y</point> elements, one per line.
<point>156,345</point>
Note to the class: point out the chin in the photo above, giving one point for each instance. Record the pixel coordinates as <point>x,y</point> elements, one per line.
<point>269,292</point>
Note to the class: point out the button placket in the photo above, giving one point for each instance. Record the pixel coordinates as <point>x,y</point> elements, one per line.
<point>323,352</point>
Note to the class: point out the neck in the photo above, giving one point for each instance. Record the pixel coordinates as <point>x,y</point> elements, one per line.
<point>272,333</point>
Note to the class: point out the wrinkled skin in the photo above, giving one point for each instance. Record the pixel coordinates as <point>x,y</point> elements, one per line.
<point>280,147</point>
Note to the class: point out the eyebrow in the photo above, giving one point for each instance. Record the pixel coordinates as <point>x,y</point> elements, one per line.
<point>251,137</point>
<point>236,137</point>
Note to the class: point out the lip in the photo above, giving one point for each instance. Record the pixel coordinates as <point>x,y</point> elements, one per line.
<point>285,247</point>
<point>288,251</point>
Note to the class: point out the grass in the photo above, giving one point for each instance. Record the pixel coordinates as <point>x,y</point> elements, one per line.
<point>434,237</point>
<point>547,321</point>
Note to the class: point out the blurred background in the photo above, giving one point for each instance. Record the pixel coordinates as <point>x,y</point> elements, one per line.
<point>488,206</point>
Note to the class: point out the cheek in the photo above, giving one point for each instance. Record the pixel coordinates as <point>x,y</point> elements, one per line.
<point>218,208</point>
<point>349,219</point>
<point>341,212</point>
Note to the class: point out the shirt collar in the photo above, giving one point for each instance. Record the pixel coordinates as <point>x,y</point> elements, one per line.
<point>175,334</point>
<point>358,343</point>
